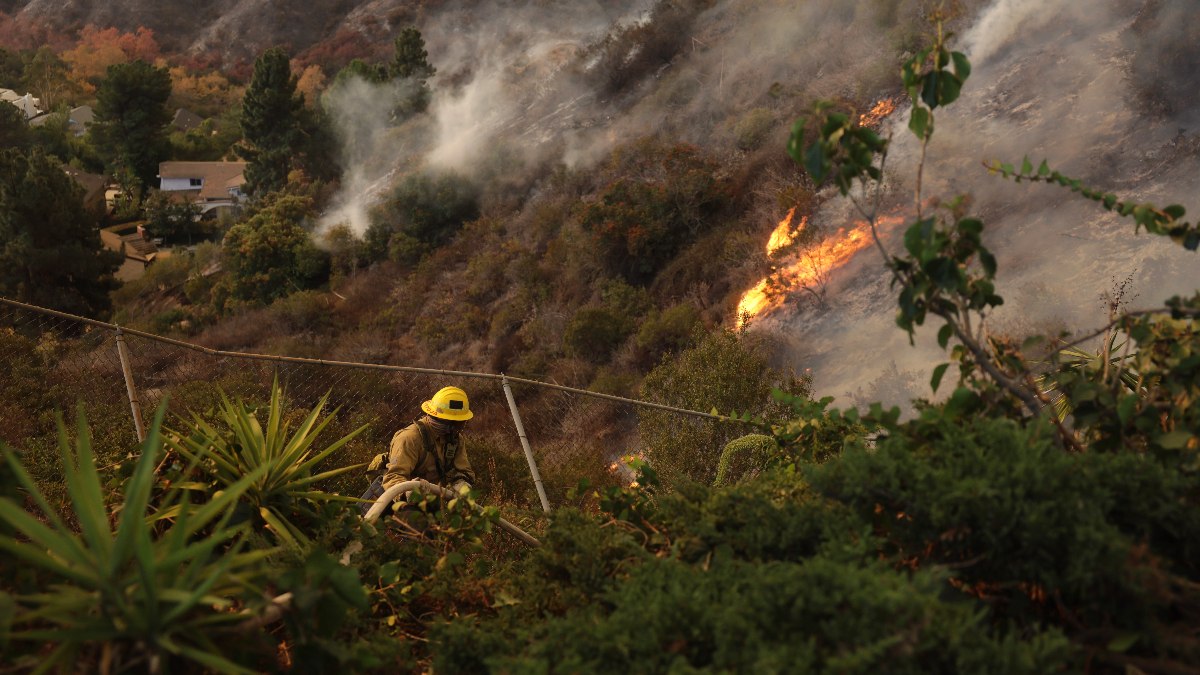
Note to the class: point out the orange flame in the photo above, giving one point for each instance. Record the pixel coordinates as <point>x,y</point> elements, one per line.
<point>784,235</point>
<point>809,269</point>
<point>881,110</point>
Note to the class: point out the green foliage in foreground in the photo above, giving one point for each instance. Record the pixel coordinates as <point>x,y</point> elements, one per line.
<point>145,595</point>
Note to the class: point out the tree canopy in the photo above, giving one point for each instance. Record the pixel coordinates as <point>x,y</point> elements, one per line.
<point>130,131</point>
<point>50,251</point>
<point>271,122</point>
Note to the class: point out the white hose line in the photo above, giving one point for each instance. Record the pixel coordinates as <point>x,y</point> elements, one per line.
<point>389,495</point>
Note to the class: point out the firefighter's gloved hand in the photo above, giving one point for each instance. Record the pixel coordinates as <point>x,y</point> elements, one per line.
<point>461,487</point>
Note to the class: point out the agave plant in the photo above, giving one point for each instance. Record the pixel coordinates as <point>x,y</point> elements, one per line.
<point>283,461</point>
<point>139,595</point>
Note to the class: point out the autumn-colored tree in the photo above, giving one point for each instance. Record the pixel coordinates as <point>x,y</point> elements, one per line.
<point>48,77</point>
<point>311,82</point>
<point>99,48</point>
<point>207,94</point>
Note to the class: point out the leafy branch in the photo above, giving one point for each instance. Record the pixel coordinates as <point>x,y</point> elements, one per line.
<point>1167,221</point>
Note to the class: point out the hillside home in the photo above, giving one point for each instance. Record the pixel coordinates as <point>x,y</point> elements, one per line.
<point>130,240</point>
<point>93,188</point>
<point>27,103</point>
<point>210,185</point>
<point>79,119</point>
<point>186,120</point>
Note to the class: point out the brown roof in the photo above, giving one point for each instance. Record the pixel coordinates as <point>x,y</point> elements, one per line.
<point>218,177</point>
<point>135,247</point>
<point>92,184</point>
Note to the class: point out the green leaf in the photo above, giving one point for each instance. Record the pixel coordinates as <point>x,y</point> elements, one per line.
<point>1126,408</point>
<point>1122,643</point>
<point>921,123</point>
<point>943,337</point>
<point>1044,169</point>
<point>1176,440</point>
<point>938,373</point>
<point>962,66</point>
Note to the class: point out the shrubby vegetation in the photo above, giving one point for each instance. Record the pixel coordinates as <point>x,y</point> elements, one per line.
<point>989,533</point>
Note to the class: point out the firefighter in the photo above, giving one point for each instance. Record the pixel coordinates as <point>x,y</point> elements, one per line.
<point>431,448</point>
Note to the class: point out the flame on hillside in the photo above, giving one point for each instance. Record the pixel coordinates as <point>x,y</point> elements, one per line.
<point>881,109</point>
<point>810,269</point>
<point>785,234</point>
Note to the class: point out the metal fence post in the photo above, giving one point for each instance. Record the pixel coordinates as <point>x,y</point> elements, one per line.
<point>537,477</point>
<point>127,371</point>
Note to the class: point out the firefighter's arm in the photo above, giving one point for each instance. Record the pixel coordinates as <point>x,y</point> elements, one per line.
<point>461,476</point>
<point>402,457</point>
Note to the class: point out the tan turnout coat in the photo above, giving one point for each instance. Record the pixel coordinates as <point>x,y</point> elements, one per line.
<point>409,458</point>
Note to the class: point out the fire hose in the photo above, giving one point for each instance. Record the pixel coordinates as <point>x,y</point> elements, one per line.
<point>278,605</point>
<point>423,486</point>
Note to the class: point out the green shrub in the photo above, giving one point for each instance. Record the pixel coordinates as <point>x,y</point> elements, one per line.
<point>752,129</point>
<point>426,209</point>
<point>726,370</point>
<point>744,458</point>
<point>594,332</point>
<point>670,330</point>
<point>661,197</point>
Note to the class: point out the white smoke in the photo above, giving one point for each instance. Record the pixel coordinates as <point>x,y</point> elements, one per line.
<point>1050,80</point>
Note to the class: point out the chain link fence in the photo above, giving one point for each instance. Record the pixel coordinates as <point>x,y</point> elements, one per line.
<point>51,362</point>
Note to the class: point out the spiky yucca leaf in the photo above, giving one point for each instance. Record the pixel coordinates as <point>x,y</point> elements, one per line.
<point>143,594</point>
<point>284,460</point>
<point>1080,360</point>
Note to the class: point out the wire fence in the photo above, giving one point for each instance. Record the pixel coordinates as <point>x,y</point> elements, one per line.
<point>524,433</point>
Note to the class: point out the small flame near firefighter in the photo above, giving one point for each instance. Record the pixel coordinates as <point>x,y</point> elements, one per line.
<point>622,469</point>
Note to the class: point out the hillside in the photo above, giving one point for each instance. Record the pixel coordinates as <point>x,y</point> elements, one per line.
<point>931,269</point>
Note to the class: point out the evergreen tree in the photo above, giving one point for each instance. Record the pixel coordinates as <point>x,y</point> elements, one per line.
<point>14,130</point>
<point>272,122</point>
<point>50,251</point>
<point>411,64</point>
<point>130,132</point>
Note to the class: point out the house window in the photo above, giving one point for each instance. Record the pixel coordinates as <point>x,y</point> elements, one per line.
<point>196,182</point>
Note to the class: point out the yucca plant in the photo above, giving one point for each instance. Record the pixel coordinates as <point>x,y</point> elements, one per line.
<point>283,461</point>
<point>136,596</point>
<point>1096,366</point>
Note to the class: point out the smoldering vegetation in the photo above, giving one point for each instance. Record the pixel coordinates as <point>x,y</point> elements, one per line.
<point>526,90</point>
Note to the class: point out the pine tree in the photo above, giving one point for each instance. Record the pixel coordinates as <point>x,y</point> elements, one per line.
<point>51,253</point>
<point>131,119</point>
<point>411,64</point>
<point>271,122</point>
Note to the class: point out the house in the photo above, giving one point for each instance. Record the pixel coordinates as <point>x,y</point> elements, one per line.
<point>79,119</point>
<point>27,103</point>
<point>210,185</point>
<point>93,188</point>
<point>130,240</point>
<point>186,120</point>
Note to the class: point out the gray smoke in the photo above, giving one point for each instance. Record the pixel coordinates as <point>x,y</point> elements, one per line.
<point>1053,79</point>
<point>1104,91</point>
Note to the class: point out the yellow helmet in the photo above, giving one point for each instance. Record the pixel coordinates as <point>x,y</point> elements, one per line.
<point>450,403</point>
